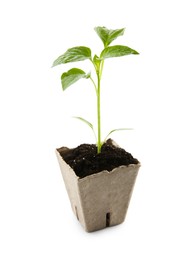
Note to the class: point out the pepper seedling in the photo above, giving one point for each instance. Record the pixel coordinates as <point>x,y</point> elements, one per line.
<point>81,53</point>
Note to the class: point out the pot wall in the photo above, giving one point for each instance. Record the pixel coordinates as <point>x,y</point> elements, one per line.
<point>99,200</point>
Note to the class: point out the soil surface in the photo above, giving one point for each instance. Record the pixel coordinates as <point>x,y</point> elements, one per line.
<point>85,161</point>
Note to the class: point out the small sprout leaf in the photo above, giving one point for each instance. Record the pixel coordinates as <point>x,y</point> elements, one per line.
<point>117,129</point>
<point>96,62</point>
<point>86,122</point>
<point>70,77</point>
<point>117,51</point>
<point>107,36</point>
<point>73,54</point>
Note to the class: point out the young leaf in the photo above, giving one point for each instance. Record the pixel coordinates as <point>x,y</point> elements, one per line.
<point>96,62</point>
<point>117,129</point>
<point>107,36</point>
<point>73,54</point>
<point>86,122</point>
<point>116,51</point>
<point>70,77</point>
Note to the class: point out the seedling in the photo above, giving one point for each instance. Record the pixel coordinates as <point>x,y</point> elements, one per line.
<point>81,53</point>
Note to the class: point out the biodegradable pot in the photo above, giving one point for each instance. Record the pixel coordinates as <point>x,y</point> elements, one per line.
<point>99,200</point>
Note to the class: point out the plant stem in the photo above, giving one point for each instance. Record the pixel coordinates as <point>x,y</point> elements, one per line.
<point>98,70</point>
<point>99,75</point>
<point>99,144</point>
<point>101,68</point>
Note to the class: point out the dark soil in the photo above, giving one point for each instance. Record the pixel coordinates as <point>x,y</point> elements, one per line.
<point>85,161</point>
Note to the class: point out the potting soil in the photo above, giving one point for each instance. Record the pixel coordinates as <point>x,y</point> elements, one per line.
<point>85,160</point>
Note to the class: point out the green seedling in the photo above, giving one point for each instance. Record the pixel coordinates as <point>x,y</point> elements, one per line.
<point>81,53</point>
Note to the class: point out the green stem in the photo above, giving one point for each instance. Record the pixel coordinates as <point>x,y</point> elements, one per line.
<point>101,68</point>
<point>98,115</point>
<point>98,70</point>
<point>99,75</point>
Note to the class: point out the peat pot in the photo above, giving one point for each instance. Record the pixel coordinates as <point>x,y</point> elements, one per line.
<point>99,200</point>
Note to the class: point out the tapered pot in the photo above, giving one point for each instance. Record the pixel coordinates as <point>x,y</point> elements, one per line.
<point>99,200</point>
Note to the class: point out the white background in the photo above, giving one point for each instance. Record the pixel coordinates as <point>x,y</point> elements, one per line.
<point>152,92</point>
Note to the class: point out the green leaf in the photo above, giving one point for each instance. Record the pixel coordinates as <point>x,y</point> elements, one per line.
<point>107,36</point>
<point>86,122</point>
<point>73,54</point>
<point>97,62</point>
<point>117,129</point>
<point>116,51</point>
<point>70,77</point>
